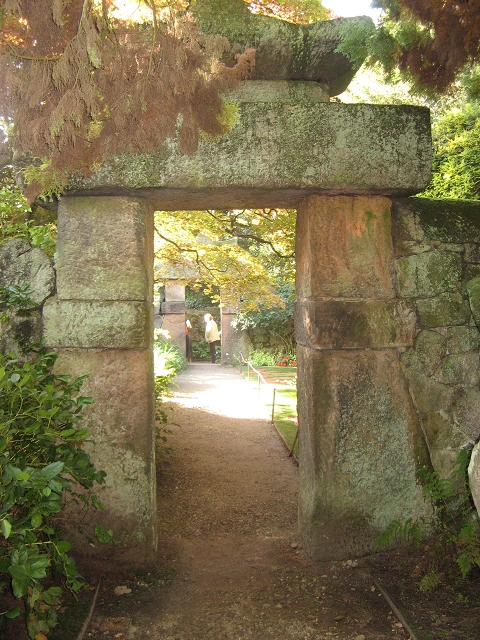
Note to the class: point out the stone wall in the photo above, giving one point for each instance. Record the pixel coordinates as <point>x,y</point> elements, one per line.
<point>437,258</point>
<point>20,264</point>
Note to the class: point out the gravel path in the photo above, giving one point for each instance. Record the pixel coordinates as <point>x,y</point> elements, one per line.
<point>229,563</point>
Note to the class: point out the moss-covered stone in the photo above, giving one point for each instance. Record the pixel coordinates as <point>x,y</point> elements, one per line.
<point>360,446</point>
<point>473,292</point>
<point>472,253</point>
<point>428,274</point>
<point>426,357</point>
<point>283,50</point>
<point>425,219</point>
<point>115,324</point>
<point>462,369</point>
<point>428,395</point>
<point>444,310</point>
<point>462,339</point>
<point>278,148</point>
<point>466,412</point>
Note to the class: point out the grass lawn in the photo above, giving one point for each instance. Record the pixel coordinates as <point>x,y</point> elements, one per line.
<point>283,381</point>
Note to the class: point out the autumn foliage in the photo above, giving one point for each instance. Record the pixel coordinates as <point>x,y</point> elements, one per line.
<point>78,84</point>
<point>436,39</point>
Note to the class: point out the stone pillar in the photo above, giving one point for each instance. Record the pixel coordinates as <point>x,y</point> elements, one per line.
<point>173,310</point>
<point>101,323</point>
<point>360,440</point>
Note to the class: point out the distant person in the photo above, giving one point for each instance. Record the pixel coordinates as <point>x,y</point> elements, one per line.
<point>211,335</point>
<point>188,340</point>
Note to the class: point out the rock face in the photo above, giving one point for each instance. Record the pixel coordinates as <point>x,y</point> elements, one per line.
<point>283,51</point>
<point>20,265</point>
<point>474,475</point>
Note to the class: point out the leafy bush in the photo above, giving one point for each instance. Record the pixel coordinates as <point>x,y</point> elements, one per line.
<point>201,350</point>
<point>274,321</point>
<point>14,222</point>
<point>455,522</point>
<point>168,358</point>
<point>42,469</point>
<point>262,358</point>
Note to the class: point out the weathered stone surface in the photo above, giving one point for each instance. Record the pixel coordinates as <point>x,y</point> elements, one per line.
<point>278,153</point>
<point>428,273</point>
<point>425,219</point>
<point>474,475</point>
<point>473,292</point>
<point>122,433</point>
<point>427,394</point>
<point>20,264</point>
<point>283,50</point>
<point>337,324</point>
<point>462,339</point>
<point>426,358</point>
<point>104,249</point>
<point>360,447</point>
<point>466,412</point>
<point>296,92</point>
<point>108,324</point>
<point>444,310</point>
<point>461,369</point>
<point>472,253</point>
<point>442,433</point>
<point>344,248</point>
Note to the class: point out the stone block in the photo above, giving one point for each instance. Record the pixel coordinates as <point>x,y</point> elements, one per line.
<point>276,153</point>
<point>466,412</point>
<point>344,248</point>
<point>428,395</point>
<point>474,475</point>
<point>430,347</point>
<point>110,325</point>
<point>20,265</point>
<point>174,292</point>
<point>473,292</point>
<point>460,369</point>
<point>427,219</point>
<point>442,432</point>
<point>428,274</point>
<point>337,324</point>
<point>463,339</point>
<point>105,249</point>
<point>444,310</point>
<point>360,445</point>
<point>173,306</point>
<point>472,253</point>
<point>121,443</point>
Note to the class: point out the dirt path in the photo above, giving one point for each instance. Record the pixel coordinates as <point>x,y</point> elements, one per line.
<point>230,566</point>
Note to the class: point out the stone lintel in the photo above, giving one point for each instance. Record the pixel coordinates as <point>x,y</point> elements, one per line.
<point>326,147</point>
<point>115,324</point>
<point>360,448</point>
<point>355,324</point>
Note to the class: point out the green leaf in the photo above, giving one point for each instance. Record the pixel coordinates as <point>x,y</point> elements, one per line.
<point>52,470</point>
<point>14,613</point>
<point>36,520</point>
<point>63,546</point>
<point>21,577</point>
<point>15,377</point>
<point>5,528</point>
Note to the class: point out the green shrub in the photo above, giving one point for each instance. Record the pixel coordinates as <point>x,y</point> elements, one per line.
<point>14,222</point>
<point>456,524</point>
<point>168,358</point>
<point>42,469</point>
<point>201,350</point>
<point>262,358</point>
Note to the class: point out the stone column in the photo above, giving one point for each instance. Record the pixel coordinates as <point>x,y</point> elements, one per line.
<point>101,323</point>
<point>173,310</point>
<point>360,440</point>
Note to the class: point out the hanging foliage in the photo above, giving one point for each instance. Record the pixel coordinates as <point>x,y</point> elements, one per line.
<point>79,84</point>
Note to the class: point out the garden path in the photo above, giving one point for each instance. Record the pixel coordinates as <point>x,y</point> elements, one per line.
<point>230,566</point>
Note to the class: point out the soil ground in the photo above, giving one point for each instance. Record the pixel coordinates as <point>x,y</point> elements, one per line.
<point>230,565</point>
